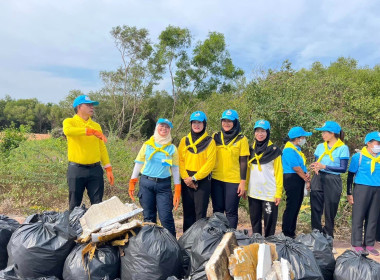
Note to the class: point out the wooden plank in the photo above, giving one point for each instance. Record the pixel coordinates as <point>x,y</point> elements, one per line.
<point>217,266</point>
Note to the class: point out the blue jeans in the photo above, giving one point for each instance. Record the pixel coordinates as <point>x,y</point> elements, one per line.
<point>157,196</point>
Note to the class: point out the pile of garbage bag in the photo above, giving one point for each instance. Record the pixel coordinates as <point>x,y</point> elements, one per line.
<point>39,247</point>
<point>354,266</point>
<point>152,254</point>
<point>321,246</point>
<point>299,256</point>
<point>105,262</point>
<point>7,227</point>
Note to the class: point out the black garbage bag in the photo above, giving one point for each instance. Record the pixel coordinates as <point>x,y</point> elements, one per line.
<point>204,246</point>
<point>46,217</point>
<point>7,227</point>
<point>39,249</point>
<point>106,262</point>
<point>298,255</point>
<point>152,254</point>
<point>354,266</point>
<point>186,241</point>
<point>243,239</point>
<point>322,251</point>
<point>10,274</point>
<point>75,215</point>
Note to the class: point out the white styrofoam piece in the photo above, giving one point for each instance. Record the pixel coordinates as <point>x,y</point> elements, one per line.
<point>264,263</point>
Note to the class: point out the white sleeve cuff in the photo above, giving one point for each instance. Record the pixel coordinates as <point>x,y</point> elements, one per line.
<point>136,170</point>
<point>175,172</point>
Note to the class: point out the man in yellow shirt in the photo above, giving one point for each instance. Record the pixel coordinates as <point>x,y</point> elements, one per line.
<point>86,152</point>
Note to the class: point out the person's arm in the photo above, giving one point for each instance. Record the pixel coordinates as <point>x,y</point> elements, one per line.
<point>350,182</point>
<point>70,130</point>
<point>181,154</point>
<point>209,165</point>
<point>278,174</point>
<point>300,173</point>
<point>342,168</point>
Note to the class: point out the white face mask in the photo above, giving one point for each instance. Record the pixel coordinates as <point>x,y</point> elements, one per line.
<point>302,141</point>
<point>376,149</point>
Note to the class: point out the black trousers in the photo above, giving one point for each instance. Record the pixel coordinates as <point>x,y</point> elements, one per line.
<point>259,208</point>
<point>80,178</point>
<point>195,202</point>
<point>224,198</point>
<point>326,190</point>
<point>294,187</point>
<point>366,208</point>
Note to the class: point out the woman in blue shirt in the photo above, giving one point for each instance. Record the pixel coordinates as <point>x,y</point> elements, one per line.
<point>295,176</point>
<point>326,185</point>
<point>157,162</point>
<point>365,199</point>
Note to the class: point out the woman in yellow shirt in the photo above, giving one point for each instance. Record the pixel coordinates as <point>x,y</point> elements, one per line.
<point>197,155</point>
<point>229,174</point>
<point>265,180</point>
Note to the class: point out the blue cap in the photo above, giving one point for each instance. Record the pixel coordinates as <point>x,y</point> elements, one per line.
<point>84,99</point>
<point>165,121</point>
<point>262,124</point>
<point>230,115</point>
<point>330,126</point>
<point>198,116</point>
<point>375,135</point>
<point>298,131</point>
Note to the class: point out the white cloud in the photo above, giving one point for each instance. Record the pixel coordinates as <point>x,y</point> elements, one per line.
<point>259,34</point>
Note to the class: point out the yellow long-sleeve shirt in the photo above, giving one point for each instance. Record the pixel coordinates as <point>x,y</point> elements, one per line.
<point>83,149</point>
<point>202,163</point>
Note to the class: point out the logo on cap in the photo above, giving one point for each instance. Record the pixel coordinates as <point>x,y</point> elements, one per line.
<point>229,113</point>
<point>261,122</point>
<point>87,98</point>
<point>197,114</point>
<point>378,134</point>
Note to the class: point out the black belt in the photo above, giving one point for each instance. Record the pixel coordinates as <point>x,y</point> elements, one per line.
<point>155,179</point>
<point>85,165</point>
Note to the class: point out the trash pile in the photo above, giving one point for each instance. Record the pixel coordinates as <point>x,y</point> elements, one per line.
<point>106,242</point>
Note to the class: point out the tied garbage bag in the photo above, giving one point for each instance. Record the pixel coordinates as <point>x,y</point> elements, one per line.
<point>186,241</point>
<point>74,218</point>
<point>322,251</point>
<point>40,249</point>
<point>243,239</point>
<point>152,254</point>
<point>203,248</point>
<point>7,227</point>
<point>353,266</point>
<point>298,255</point>
<point>105,263</point>
<point>10,274</point>
<point>46,217</point>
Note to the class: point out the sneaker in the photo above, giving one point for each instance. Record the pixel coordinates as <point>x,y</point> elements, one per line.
<point>358,249</point>
<point>334,251</point>
<point>372,251</point>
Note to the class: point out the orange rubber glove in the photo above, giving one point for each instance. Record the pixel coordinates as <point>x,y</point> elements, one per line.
<point>131,190</point>
<point>177,195</point>
<point>110,177</point>
<point>96,133</point>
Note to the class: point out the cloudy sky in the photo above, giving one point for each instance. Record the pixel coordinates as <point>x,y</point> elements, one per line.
<point>51,47</point>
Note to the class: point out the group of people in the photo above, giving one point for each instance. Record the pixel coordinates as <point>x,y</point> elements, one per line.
<point>225,167</point>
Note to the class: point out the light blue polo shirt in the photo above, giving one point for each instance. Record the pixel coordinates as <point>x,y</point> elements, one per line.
<point>363,171</point>
<point>156,167</point>
<point>290,158</point>
<point>339,153</point>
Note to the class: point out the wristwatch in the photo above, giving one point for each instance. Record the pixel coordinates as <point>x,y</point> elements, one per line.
<point>194,179</point>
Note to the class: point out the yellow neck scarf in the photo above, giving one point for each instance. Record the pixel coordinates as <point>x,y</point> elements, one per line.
<point>257,157</point>
<point>151,142</point>
<point>194,145</point>
<point>374,160</point>
<point>292,146</point>
<point>329,152</point>
<point>228,147</point>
